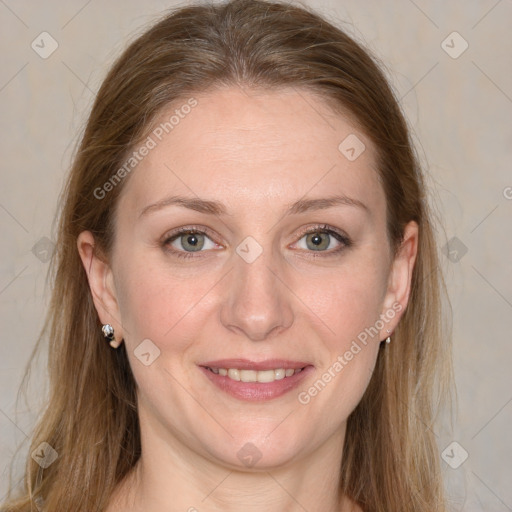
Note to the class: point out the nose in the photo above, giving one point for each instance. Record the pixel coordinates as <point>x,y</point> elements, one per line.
<point>258,303</point>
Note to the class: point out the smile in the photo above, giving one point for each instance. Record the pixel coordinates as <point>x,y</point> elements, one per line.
<point>255,381</point>
<point>255,376</point>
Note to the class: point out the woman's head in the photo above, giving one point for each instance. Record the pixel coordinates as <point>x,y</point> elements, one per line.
<point>295,269</point>
<point>265,110</point>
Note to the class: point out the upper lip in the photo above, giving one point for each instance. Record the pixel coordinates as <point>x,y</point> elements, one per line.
<point>246,364</point>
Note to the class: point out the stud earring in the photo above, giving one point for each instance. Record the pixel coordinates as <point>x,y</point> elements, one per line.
<point>108,333</point>
<point>388,339</point>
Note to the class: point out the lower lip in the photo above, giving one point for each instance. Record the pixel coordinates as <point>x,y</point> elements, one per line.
<point>256,391</point>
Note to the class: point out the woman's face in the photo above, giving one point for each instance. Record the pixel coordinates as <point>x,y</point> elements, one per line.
<point>293,271</point>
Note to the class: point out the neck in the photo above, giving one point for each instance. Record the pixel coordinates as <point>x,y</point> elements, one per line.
<point>169,476</point>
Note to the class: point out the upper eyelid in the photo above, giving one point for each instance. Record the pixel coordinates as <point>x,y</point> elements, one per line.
<point>185,230</point>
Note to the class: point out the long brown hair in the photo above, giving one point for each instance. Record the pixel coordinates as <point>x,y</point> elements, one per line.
<point>390,458</point>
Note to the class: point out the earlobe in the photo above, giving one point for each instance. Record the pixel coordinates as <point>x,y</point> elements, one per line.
<point>400,277</point>
<point>101,284</point>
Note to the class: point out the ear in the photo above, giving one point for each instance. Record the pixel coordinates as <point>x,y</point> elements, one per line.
<point>400,278</point>
<point>101,283</point>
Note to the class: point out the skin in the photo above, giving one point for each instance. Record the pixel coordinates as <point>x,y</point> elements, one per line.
<point>255,151</point>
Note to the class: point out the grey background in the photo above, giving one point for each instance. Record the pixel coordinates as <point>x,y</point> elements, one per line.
<point>459,109</point>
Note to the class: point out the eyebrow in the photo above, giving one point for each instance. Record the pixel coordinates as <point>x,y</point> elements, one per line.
<point>216,208</point>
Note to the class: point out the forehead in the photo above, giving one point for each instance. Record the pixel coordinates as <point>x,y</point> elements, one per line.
<point>250,148</point>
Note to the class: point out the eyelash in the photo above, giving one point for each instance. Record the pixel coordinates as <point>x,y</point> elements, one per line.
<point>320,228</point>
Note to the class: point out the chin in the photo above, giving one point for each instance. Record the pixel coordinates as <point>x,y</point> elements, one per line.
<point>255,452</point>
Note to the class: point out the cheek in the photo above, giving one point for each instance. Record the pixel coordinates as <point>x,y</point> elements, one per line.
<point>349,305</point>
<point>347,299</point>
<point>160,305</point>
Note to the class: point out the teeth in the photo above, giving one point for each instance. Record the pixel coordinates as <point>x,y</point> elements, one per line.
<point>255,376</point>
<point>233,374</point>
<point>279,374</point>
<point>248,375</point>
<point>266,376</point>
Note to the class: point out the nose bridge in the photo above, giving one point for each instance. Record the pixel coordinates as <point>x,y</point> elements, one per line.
<point>257,302</point>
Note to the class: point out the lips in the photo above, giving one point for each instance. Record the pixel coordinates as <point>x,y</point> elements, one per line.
<point>255,380</point>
